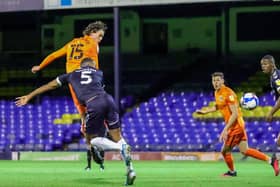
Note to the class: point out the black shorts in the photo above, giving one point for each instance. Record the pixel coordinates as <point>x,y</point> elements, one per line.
<point>100,109</point>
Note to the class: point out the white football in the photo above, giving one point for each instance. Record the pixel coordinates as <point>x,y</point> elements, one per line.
<point>249,101</point>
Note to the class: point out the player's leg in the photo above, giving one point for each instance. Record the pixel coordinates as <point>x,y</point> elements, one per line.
<point>228,158</point>
<point>112,118</point>
<point>275,154</point>
<point>118,144</point>
<point>246,150</point>
<point>98,156</point>
<point>103,107</point>
<point>241,140</point>
<point>81,109</point>
<point>95,153</point>
<point>125,148</point>
<point>98,153</point>
<point>88,167</point>
<point>231,141</point>
<point>97,112</point>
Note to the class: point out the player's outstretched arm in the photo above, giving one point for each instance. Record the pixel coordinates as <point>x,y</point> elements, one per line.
<point>275,108</point>
<point>49,59</point>
<point>206,110</point>
<point>23,100</point>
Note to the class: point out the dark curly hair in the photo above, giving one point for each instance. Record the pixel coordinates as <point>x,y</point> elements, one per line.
<point>94,27</point>
<point>270,58</point>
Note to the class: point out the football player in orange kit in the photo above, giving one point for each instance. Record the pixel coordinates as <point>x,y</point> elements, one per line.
<point>75,51</point>
<point>234,133</point>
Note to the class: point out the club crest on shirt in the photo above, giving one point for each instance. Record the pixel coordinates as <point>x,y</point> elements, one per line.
<point>221,98</point>
<point>231,98</point>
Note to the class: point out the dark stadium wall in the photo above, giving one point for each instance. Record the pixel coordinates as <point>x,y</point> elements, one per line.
<point>156,42</point>
<point>182,34</point>
<point>250,30</point>
<point>71,26</point>
<point>140,34</point>
<point>254,29</point>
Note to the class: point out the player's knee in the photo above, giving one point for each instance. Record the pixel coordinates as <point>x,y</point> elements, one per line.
<point>243,152</point>
<point>225,150</point>
<point>88,146</point>
<point>115,134</point>
<point>278,141</point>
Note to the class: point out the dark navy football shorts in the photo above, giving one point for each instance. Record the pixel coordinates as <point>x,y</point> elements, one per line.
<point>100,109</point>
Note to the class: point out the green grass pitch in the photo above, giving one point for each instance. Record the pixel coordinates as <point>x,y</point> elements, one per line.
<point>149,174</point>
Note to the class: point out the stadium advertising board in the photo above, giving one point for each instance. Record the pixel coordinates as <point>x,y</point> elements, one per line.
<point>20,5</point>
<point>31,5</point>
<point>112,155</point>
<point>62,4</point>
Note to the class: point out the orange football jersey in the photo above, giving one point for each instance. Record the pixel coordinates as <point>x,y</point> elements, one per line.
<point>224,98</point>
<point>75,51</point>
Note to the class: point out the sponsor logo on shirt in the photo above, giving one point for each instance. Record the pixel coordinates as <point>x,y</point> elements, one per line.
<point>277,82</point>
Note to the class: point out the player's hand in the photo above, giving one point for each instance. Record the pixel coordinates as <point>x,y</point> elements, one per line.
<point>278,140</point>
<point>35,69</point>
<point>199,111</point>
<point>223,136</point>
<point>269,118</point>
<point>83,129</point>
<point>21,101</point>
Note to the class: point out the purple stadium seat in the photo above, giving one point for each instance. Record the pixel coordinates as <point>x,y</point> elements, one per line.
<point>163,123</point>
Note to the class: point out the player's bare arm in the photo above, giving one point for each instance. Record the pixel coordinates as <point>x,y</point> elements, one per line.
<point>206,110</point>
<point>83,123</point>
<point>233,117</point>
<point>23,100</point>
<point>275,108</point>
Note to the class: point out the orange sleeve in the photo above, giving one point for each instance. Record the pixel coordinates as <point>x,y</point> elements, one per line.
<point>54,55</point>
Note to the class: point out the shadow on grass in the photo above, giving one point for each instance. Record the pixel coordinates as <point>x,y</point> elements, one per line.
<point>103,181</point>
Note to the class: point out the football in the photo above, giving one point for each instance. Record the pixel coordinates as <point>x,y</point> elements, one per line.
<point>249,101</point>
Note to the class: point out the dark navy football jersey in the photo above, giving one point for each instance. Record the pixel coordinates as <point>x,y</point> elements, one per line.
<point>275,82</point>
<point>87,82</point>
